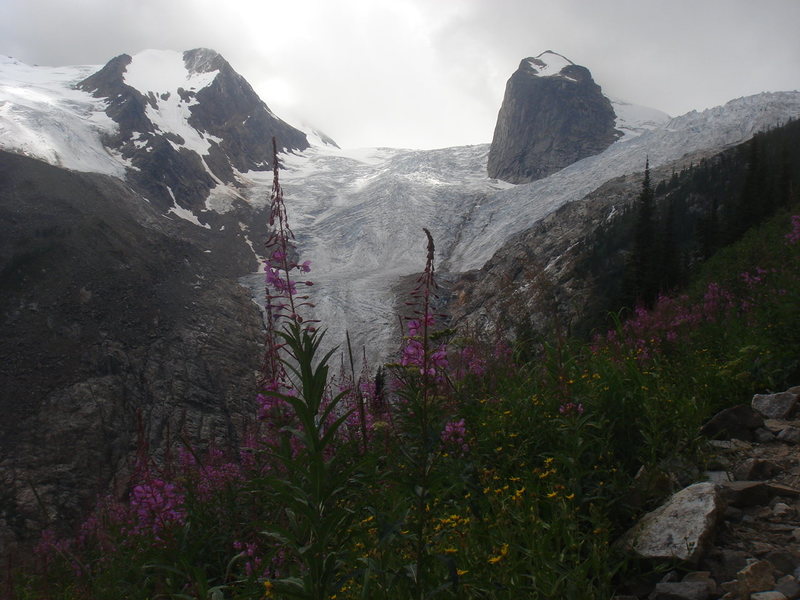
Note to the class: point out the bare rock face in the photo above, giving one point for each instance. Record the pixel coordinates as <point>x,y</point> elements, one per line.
<point>552,115</point>
<point>121,329</point>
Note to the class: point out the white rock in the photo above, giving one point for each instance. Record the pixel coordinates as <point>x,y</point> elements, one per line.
<point>681,528</point>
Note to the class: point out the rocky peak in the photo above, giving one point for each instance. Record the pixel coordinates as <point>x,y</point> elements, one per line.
<point>204,60</point>
<point>186,122</point>
<point>553,114</point>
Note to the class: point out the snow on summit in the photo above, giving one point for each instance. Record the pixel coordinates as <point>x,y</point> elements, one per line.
<point>161,75</point>
<point>549,63</point>
<point>163,71</point>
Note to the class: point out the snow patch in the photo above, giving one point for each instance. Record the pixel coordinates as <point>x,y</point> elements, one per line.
<point>184,213</point>
<point>633,120</point>
<point>549,64</point>
<point>159,75</point>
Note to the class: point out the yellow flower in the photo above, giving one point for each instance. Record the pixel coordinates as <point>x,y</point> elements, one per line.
<point>461,572</point>
<point>503,553</point>
<point>450,550</point>
<point>552,494</point>
<point>268,589</point>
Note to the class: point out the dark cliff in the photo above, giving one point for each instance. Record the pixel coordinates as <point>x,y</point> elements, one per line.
<point>120,327</point>
<point>549,121</point>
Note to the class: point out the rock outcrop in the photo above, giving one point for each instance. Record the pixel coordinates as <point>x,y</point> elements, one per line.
<point>553,114</point>
<point>121,328</point>
<point>227,127</point>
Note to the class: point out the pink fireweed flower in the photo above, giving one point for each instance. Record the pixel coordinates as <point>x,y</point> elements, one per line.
<point>157,504</point>
<point>794,235</point>
<point>571,408</point>
<point>454,438</point>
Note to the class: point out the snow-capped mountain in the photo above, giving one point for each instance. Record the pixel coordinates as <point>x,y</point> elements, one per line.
<point>133,198</point>
<point>179,126</point>
<point>357,214</point>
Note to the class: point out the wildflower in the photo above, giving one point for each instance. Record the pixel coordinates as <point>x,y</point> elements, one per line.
<point>500,556</point>
<point>794,235</point>
<point>570,408</point>
<point>268,587</point>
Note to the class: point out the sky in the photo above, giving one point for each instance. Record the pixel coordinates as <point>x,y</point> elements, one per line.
<point>430,73</point>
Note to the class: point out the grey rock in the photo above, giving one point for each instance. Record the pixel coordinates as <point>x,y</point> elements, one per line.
<point>755,577</point>
<point>782,561</point>
<point>718,476</point>
<point>703,577</point>
<point>790,435</point>
<point>681,590</point>
<point>789,587</point>
<point>547,122</point>
<point>745,493</point>
<point>736,422</point>
<point>778,489</point>
<point>775,406</point>
<point>220,109</point>
<point>771,595</point>
<point>127,348</point>
<point>763,435</point>
<point>755,469</point>
<point>681,529</point>
<point>724,563</point>
<point>781,509</point>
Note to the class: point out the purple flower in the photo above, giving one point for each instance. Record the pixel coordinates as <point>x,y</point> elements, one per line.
<point>454,437</point>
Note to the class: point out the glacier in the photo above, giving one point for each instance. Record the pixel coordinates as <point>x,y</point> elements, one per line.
<point>358,214</point>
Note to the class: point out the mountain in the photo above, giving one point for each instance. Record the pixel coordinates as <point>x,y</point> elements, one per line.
<point>569,269</point>
<point>553,114</point>
<point>124,324</point>
<point>132,200</point>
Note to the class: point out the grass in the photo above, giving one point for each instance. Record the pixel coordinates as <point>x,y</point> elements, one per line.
<point>473,474</point>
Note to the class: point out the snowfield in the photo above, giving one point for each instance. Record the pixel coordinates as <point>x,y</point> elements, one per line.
<point>42,116</point>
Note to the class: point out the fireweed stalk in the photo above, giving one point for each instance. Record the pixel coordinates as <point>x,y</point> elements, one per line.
<point>419,415</point>
<point>314,480</point>
<point>281,297</point>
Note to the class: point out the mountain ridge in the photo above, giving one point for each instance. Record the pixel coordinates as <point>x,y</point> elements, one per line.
<point>357,215</point>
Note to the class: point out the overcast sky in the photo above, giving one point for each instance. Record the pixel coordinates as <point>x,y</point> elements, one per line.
<point>430,73</point>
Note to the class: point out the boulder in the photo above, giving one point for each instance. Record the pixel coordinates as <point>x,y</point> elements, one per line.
<point>790,435</point>
<point>736,422</point>
<point>680,529</point>
<point>775,406</point>
<point>680,590</point>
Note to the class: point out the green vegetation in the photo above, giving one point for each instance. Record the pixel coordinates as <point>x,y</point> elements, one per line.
<point>470,474</point>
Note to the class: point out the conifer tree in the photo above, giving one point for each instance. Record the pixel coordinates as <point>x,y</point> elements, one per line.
<point>641,278</point>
